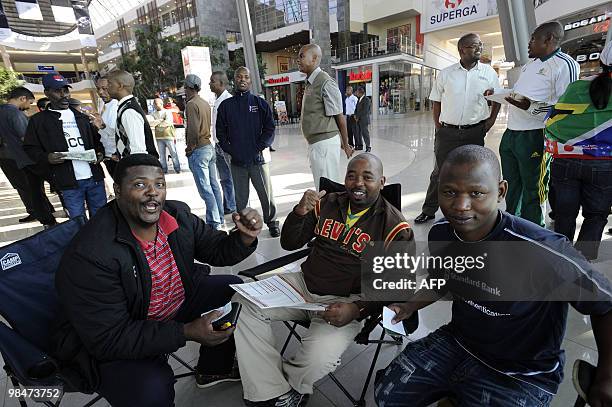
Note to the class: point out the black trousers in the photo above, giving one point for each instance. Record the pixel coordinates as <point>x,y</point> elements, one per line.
<point>31,190</point>
<point>446,140</point>
<point>350,127</point>
<point>150,382</point>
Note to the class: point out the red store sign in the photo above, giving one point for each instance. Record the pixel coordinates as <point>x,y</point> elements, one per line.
<point>361,76</point>
<point>276,81</point>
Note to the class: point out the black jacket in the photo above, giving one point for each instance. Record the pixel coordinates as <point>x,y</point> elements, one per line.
<point>45,135</point>
<point>104,288</point>
<point>363,110</point>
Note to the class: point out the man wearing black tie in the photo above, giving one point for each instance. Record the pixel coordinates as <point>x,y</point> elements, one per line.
<point>362,119</point>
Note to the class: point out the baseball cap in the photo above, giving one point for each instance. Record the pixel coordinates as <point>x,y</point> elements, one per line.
<point>193,81</point>
<point>54,81</point>
<point>606,54</point>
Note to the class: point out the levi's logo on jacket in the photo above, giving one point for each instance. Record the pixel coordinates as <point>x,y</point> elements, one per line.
<point>354,238</point>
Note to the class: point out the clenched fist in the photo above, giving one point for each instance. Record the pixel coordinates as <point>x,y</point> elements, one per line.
<point>308,202</point>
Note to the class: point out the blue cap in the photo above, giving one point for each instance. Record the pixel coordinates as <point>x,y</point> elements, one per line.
<point>54,81</point>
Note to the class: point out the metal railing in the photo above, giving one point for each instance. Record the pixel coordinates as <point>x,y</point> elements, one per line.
<point>38,81</point>
<point>377,47</point>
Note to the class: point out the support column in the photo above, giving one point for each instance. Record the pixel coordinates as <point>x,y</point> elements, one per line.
<point>248,45</point>
<point>375,93</point>
<point>517,20</point>
<point>343,15</point>
<point>318,22</point>
<point>6,59</point>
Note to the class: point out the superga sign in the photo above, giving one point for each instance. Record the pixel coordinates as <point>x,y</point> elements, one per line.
<point>441,14</point>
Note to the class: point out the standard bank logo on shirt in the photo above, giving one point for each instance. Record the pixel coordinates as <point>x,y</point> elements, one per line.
<point>10,260</point>
<point>253,109</point>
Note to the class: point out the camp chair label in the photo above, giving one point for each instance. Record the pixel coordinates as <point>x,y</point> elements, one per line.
<point>10,260</point>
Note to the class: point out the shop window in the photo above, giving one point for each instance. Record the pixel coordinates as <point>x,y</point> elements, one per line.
<point>397,36</point>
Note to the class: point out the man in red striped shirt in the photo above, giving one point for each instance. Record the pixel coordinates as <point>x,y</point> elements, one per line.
<point>131,293</point>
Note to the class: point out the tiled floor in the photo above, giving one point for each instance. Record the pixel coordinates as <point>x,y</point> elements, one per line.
<point>405,145</point>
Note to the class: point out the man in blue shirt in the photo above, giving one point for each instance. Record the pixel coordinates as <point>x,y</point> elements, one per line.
<point>503,344</point>
<point>245,129</point>
<point>16,164</point>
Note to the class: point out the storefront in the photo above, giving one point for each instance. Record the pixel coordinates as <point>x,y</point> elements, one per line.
<point>402,86</point>
<point>286,87</point>
<point>585,37</point>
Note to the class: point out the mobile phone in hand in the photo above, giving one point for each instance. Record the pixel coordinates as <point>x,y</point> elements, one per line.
<point>228,320</point>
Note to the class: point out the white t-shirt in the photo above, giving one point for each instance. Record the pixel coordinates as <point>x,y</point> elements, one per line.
<point>461,93</point>
<point>107,134</point>
<point>544,81</point>
<point>221,98</point>
<point>82,170</point>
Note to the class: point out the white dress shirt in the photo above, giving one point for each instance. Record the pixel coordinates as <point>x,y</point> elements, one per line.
<point>460,93</point>
<point>351,104</point>
<point>133,124</point>
<point>107,134</point>
<point>221,98</point>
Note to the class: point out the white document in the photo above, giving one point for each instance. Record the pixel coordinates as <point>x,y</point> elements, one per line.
<point>87,155</point>
<point>388,315</point>
<point>500,96</point>
<point>275,292</point>
<point>226,309</point>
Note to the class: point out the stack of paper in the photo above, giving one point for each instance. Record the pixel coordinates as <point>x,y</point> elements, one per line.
<point>275,292</point>
<point>87,155</point>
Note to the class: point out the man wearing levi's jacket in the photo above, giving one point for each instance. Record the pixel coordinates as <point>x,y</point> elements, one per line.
<point>342,225</point>
<point>502,346</point>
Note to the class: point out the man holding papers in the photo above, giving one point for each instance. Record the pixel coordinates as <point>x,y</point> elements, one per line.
<point>55,133</point>
<point>130,292</point>
<point>342,225</point>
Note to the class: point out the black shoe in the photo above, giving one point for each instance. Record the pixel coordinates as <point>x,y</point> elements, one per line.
<point>27,219</point>
<point>208,380</point>
<point>49,225</point>
<point>227,211</point>
<point>290,399</point>
<point>358,147</point>
<point>423,217</point>
<point>274,229</point>
<point>583,375</point>
<point>368,149</point>
<point>272,150</point>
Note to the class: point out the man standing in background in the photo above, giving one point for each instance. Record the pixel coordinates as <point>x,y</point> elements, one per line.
<point>245,128</point>
<point>107,113</point>
<point>350,102</point>
<point>362,120</point>
<point>323,122</point>
<point>165,136</point>
<point>543,80</point>
<point>200,151</point>
<point>460,111</point>
<point>218,85</point>
<point>132,134</point>
<point>15,163</point>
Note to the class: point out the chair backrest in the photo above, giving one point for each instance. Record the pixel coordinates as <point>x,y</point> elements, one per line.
<point>391,192</point>
<point>27,281</point>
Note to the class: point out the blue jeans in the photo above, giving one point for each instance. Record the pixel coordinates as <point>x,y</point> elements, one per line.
<point>162,145</point>
<point>202,166</point>
<point>225,177</point>
<point>89,191</point>
<point>587,184</point>
<point>436,367</point>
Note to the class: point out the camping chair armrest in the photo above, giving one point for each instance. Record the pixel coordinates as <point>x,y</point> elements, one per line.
<point>276,263</point>
<point>374,319</point>
<point>29,364</point>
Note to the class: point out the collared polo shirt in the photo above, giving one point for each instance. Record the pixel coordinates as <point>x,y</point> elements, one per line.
<point>542,80</point>
<point>167,292</point>
<point>461,93</point>
<point>332,98</point>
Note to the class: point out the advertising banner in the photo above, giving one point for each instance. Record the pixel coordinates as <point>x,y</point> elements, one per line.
<point>196,61</point>
<point>83,21</point>
<point>5,30</point>
<point>441,14</point>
